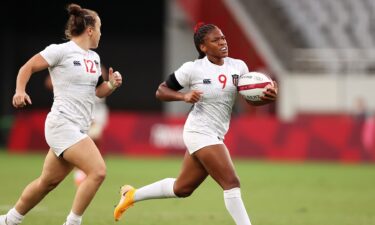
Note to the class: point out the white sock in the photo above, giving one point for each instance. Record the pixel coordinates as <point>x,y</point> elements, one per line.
<point>13,217</point>
<point>235,206</point>
<point>159,189</point>
<point>73,219</point>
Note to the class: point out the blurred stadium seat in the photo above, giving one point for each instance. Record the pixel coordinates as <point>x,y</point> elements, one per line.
<point>336,36</point>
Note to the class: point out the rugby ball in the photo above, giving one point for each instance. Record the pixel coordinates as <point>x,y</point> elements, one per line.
<point>251,85</point>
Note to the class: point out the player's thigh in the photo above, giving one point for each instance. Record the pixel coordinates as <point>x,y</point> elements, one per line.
<point>85,155</point>
<point>55,168</point>
<point>192,174</point>
<point>218,163</point>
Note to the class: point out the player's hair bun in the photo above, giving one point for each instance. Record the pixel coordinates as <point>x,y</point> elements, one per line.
<point>74,9</point>
<point>197,26</point>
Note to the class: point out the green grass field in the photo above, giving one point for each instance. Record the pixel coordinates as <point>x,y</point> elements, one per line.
<point>274,193</point>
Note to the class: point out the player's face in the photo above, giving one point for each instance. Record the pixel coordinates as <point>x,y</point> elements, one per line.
<point>215,44</point>
<point>96,33</point>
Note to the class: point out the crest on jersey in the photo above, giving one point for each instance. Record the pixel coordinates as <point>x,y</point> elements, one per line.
<point>235,79</point>
<point>97,64</point>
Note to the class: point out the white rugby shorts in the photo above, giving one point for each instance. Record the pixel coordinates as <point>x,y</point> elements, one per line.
<point>100,114</point>
<point>195,141</point>
<point>61,133</point>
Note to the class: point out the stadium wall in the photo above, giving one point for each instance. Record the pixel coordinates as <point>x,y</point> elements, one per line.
<point>322,94</point>
<point>308,137</point>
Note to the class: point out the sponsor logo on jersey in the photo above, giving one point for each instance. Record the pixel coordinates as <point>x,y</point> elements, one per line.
<point>235,79</point>
<point>206,81</point>
<point>76,63</point>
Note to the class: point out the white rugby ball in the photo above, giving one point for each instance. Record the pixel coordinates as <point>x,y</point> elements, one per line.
<point>251,85</point>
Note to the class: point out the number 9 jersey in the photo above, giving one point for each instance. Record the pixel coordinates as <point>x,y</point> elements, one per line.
<point>211,114</point>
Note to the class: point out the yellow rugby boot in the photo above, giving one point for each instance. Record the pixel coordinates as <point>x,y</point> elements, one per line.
<point>126,201</point>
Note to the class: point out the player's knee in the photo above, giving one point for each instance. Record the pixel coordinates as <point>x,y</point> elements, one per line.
<point>100,174</point>
<point>183,192</point>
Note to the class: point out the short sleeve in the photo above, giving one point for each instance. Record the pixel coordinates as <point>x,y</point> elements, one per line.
<point>52,54</point>
<point>184,73</point>
<point>243,67</point>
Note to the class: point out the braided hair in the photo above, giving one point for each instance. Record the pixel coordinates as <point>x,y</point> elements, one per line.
<point>200,32</point>
<point>79,20</point>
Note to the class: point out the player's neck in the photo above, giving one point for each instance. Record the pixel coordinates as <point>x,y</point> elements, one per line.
<point>215,60</point>
<point>82,43</point>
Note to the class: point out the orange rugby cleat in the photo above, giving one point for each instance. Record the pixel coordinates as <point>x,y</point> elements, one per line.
<point>126,201</point>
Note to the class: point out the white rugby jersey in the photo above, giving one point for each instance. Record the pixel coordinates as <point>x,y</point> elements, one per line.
<point>211,114</point>
<point>74,74</point>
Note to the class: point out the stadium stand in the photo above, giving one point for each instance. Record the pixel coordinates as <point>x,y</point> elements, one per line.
<point>336,36</point>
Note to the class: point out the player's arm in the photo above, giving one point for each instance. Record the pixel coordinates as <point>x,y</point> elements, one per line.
<point>35,64</point>
<point>270,95</point>
<point>169,91</point>
<point>105,88</point>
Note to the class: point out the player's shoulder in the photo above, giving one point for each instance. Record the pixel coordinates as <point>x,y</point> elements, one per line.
<point>237,63</point>
<point>195,63</point>
<point>234,61</point>
<point>189,65</point>
<point>96,55</point>
<point>58,46</point>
